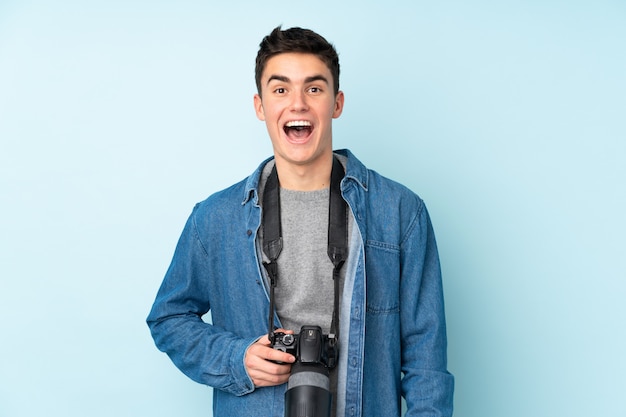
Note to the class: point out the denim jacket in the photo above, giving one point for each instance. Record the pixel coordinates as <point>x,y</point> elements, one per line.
<point>392,324</point>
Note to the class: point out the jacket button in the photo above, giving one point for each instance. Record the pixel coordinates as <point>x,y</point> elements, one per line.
<point>249,232</point>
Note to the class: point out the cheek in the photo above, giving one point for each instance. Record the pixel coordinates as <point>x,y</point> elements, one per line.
<point>270,113</point>
<point>272,121</point>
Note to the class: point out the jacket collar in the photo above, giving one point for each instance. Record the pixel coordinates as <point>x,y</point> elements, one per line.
<point>355,171</point>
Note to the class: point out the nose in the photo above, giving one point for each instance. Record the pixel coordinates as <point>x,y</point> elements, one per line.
<point>299,102</point>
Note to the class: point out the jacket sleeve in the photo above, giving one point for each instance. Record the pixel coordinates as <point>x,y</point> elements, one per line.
<point>427,385</point>
<point>205,353</point>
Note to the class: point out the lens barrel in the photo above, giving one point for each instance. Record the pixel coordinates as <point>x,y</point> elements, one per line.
<point>308,391</point>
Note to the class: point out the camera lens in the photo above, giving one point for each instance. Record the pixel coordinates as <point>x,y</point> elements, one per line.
<point>308,392</point>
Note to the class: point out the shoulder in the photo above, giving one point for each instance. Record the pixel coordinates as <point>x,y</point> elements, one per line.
<point>381,187</point>
<point>231,204</point>
<point>239,194</point>
<point>225,198</point>
<point>378,189</point>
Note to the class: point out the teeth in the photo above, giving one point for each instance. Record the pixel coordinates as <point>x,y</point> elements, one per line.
<point>298,123</point>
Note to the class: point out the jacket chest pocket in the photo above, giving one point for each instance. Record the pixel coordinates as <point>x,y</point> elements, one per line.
<point>382,278</point>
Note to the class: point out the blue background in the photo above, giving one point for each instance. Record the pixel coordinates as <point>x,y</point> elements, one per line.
<point>507,117</point>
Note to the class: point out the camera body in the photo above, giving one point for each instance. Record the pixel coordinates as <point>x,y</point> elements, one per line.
<point>310,346</point>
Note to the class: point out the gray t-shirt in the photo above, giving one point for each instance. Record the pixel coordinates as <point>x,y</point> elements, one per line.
<point>305,290</point>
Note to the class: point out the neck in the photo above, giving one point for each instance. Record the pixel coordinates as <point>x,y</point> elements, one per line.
<point>305,178</point>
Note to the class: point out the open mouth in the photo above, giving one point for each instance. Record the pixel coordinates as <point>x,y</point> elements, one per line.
<point>298,129</point>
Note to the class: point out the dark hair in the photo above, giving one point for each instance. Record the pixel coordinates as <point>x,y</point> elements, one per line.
<point>296,40</point>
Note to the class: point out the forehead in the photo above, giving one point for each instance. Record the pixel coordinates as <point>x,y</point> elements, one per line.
<point>295,66</point>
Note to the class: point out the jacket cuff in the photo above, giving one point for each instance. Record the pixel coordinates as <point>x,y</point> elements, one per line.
<point>242,383</point>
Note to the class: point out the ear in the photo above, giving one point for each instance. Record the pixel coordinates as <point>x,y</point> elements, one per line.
<point>339,100</point>
<point>258,107</point>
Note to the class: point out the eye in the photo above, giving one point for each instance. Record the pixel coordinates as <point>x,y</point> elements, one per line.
<point>280,90</point>
<point>315,90</point>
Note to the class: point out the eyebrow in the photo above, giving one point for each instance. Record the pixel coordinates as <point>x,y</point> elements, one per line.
<point>307,80</point>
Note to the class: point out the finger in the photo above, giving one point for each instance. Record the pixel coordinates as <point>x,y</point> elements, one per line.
<point>284,331</point>
<point>266,369</point>
<point>267,353</point>
<point>276,355</point>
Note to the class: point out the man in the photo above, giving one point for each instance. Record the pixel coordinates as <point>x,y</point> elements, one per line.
<point>389,310</point>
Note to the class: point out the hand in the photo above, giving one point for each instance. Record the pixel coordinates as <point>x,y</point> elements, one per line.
<point>258,363</point>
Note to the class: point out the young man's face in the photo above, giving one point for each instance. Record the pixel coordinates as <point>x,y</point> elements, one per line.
<point>297,103</point>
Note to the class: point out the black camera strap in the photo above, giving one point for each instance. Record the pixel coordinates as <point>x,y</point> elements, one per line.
<point>337,239</point>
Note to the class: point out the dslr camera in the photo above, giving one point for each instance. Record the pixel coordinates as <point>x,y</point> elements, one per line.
<point>310,346</point>
<point>308,389</point>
